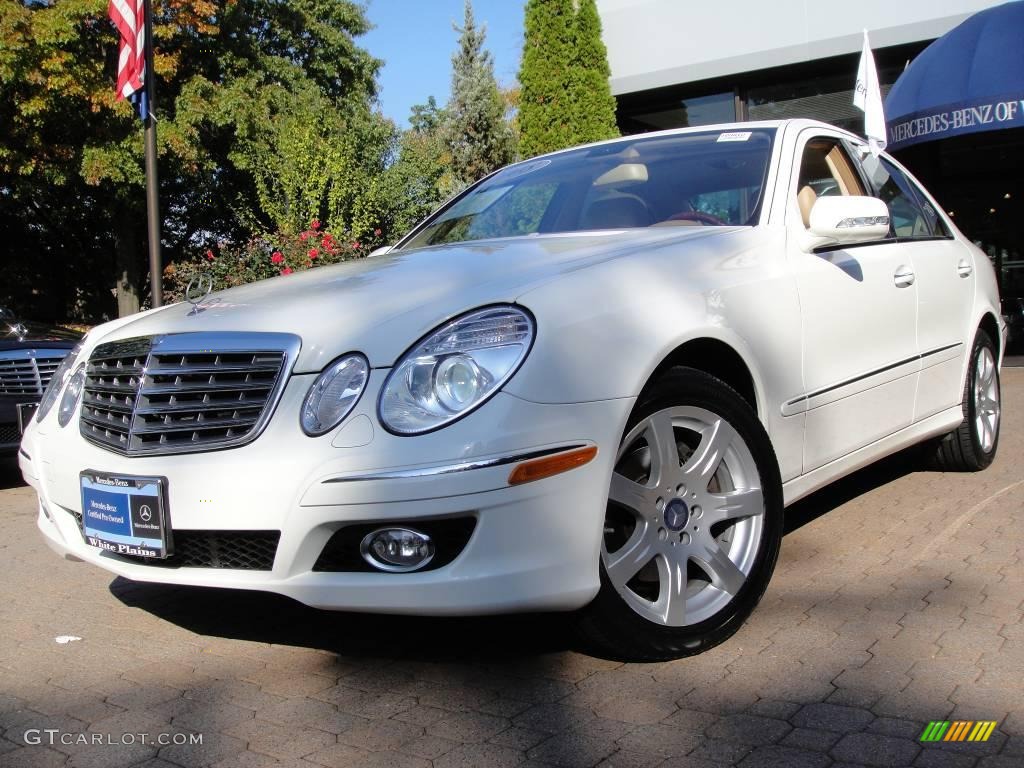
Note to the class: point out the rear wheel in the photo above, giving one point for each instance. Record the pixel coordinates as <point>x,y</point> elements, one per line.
<point>972,446</point>
<point>693,522</point>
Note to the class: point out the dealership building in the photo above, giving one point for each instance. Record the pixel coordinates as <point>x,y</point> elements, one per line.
<point>676,64</point>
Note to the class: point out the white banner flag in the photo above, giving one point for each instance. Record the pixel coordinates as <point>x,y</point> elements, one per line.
<point>867,95</point>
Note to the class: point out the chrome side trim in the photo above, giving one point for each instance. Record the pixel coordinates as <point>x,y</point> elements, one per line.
<point>802,403</point>
<point>447,469</point>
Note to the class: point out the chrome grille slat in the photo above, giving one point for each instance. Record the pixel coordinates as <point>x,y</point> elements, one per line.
<point>192,387</point>
<point>108,407</point>
<point>162,428</point>
<point>28,371</point>
<point>107,423</point>
<point>204,407</point>
<point>190,370</point>
<point>183,393</point>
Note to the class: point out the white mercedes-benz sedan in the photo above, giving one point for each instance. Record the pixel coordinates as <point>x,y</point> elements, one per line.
<point>592,382</point>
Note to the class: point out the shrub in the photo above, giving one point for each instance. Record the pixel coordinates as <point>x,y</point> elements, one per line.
<point>265,256</point>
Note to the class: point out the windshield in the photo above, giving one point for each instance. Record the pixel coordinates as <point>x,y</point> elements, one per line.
<point>711,178</point>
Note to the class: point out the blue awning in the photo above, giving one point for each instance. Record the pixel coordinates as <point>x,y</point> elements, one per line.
<point>969,80</point>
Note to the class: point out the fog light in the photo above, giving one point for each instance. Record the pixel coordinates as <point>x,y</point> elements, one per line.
<point>397,549</point>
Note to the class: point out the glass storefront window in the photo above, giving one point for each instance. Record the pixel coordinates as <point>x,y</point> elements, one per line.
<point>829,99</point>
<point>686,113</point>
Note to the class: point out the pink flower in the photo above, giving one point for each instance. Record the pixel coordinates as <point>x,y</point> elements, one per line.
<point>315,224</point>
<point>304,236</point>
<point>356,245</point>
<point>209,255</point>
<point>376,233</point>
<point>276,258</point>
<point>313,253</point>
<point>286,271</point>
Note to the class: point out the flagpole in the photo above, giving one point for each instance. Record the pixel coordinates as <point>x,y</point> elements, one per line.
<point>152,193</point>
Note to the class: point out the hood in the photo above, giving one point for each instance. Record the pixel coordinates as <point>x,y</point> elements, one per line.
<point>22,334</point>
<point>379,306</point>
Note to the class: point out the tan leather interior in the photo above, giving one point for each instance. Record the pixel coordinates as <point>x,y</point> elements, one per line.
<point>806,197</point>
<point>844,175</point>
<point>825,169</point>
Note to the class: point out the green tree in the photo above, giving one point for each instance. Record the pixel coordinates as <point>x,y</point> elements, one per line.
<point>565,98</point>
<point>422,176</point>
<point>593,103</point>
<point>233,79</point>
<point>426,118</point>
<point>478,134</point>
<point>545,109</point>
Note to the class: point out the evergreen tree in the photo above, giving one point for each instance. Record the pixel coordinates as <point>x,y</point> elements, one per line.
<point>478,135</point>
<point>594,105</point>
<point>545,110</point>
<point>565,97</point>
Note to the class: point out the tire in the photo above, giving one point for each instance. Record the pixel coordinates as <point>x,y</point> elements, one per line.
<point>683,564</point>
<point>972,446</point>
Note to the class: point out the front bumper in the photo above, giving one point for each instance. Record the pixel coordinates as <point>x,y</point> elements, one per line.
<point>534,546</point>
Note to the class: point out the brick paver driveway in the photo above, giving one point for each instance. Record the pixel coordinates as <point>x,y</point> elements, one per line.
<point>898,600</point>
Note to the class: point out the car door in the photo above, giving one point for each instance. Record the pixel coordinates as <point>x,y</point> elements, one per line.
<point>859,314</point>
<point>944,278</point>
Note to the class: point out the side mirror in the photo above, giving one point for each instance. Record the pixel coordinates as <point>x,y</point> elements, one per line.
<point>845,220</point>
<point>379,251</point>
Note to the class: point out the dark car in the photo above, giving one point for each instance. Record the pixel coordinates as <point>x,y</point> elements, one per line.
<point>1013,313</point>
<point>29,355</point>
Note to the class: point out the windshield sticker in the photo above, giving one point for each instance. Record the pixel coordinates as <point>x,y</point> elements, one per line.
<point>734,136</point>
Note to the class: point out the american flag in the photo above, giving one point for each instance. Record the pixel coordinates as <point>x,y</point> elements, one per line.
<point>129,16</point>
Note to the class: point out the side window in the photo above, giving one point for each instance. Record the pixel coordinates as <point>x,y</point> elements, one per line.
<point>935,223</point>
<point>911,215</point>
<point>825,169</point>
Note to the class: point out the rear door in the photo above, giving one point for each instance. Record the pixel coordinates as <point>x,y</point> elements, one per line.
<point>944,276</point>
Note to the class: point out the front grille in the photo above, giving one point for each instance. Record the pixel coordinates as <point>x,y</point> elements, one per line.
<point>28,371</point>
<point>232,550</point>
<point>9,434</point>
<point>183,393</point>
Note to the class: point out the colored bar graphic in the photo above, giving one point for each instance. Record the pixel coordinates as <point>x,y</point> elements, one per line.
<point>982,730</point>
<point>935,730</point>
<point>958,730</point>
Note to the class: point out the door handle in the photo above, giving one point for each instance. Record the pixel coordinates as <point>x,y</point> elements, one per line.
<point>903,276</point>
<point>964,269</point>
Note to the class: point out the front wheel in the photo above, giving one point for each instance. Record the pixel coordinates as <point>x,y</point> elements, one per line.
<point>693,523</point>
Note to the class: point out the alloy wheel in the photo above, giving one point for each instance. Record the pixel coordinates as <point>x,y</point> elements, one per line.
<point>986,400</point>
<point>685,516</point>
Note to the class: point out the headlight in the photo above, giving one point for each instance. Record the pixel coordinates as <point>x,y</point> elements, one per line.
<point>57,381</point>
<point>334,394</point>
<point>72,393</point>
<point>455,369</point>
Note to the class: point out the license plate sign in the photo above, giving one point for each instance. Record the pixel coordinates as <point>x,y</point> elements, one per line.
<point>125,514</point>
